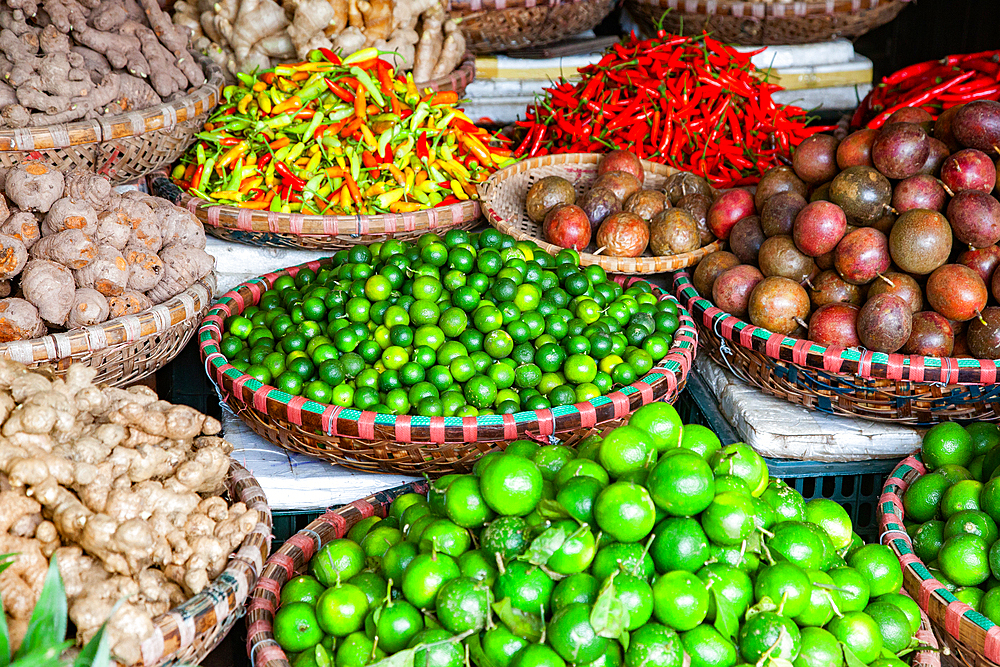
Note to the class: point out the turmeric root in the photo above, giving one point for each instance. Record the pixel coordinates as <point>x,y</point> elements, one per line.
<point>89,307</point>
<point>70,213</point>
<point>19,320</point>
<point>34,186</point>
<point>108,273</point>
<point>72,248</point>
<point>49,287</point>
<point>184,266</point>
<point>22,226</point>
<point>13,256</point>
<point>128,302</point>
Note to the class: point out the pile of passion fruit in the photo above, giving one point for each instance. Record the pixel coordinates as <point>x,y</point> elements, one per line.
<point>617,216</point>
<point>886,239</point>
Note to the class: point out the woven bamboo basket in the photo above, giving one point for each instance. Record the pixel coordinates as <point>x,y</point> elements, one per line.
<point>315,232</point>
<point>124,349</point>
<point>852,382</point>
<point>970,639</point>
<point>375,442</point>
<point>123,147</point>
<point>188,633</point>
<point>294,555</point>
<point>503,194</point>
<point>458,80</point>
<point>500,25</point>
<point>756,23</point>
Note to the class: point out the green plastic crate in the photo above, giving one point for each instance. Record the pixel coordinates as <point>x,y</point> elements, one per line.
<point>856,485</point>
<point>289,522</point>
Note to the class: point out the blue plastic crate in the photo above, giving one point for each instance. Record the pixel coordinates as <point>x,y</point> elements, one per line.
<point>856,485</point>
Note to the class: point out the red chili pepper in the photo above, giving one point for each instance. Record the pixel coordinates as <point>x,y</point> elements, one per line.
<point>293,181</point>
<point>265,160</point>
<point>423,150</point>
<point>330,56</point>
<point>338,91</point>
<point>229,141</point>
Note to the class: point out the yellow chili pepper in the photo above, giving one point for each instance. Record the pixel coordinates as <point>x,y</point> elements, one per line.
<point>313,162</point>
<point>405,207</point>
<point>345,198</point>
<point>251,184</point>
<point>375,189</point>
<point>361,56</point>
<point>387,199</point>
<point>264,102</point>
<point>369,138</point>
<point>457,190</point>
<point>232,154</point>
<point>259,86</point>
<point>295,152</point>
<point>244,103</point>
<point>232,195</point>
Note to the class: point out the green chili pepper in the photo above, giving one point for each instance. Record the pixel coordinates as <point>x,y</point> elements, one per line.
<point>420,196</point>
<point>423,109</point>
<point>369,85</point>
<point>436,174</point>
<point>312,186</point>
<point>383,141</point>
<point>276,204</point>
<point>200,153</point>
<point>206,173</point>
<point>337,116</point>
<point>281,120</point>
<point>317,120</point>
<point>295,152</point>
<point>236,177</point>
<point>228,92</point>
<point>246,79</point>
<point>355,165</point>
<point>282,154</point>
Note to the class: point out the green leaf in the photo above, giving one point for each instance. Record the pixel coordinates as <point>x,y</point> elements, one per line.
<point>476,652</point>
<point>519,622</point>
<point>6,560</point>
<point>47,626</point>
<point>50,656</point>
<point>850,659</point>
<point>726,621</point>
<point>765,604</point>
<point>322,656</point>
<point>624,640</point>
<point>546,544</point>
<point>551,509</point>
<point>400,659</point>
<point>4,638</point>
<point>609,617</point>
<point>97,652</point>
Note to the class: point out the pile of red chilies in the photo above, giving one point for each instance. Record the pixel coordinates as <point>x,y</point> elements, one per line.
<point>692,103</point>
<point>934,86</point>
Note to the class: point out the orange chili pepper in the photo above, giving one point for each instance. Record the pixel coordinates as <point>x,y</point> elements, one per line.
<point>255,205</point>
<point>189,172</point>
<point>352,187</point>
<point>352,127</point>
<point>318,134</point>
<point>360,103</point>
<point>396,173</point>
<point>280,142</point>
<point>300,76</point>
<point>292,103</point>
<point>334,172</point>
<point>305,114</point>
<point>442,97</point>
<point>267,77</point>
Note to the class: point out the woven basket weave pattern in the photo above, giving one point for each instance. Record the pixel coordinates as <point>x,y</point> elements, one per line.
<point>756,23</point>
<point>497,25</point>
<point>293,557</point>
<point>124,349</point>
<point>970,637</point>
<point>920,391</point>
<point>406,444</point>
<point>122,147</point>
<point>188,633</point>
<point>503,200</point>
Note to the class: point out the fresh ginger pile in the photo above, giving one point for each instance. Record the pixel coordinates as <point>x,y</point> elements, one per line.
<point>84,254</point>
<point>123,489</point>
<point>257,34</point>
<point>63,60</point>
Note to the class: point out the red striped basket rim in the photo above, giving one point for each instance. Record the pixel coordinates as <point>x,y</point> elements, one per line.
<point>665,377</point>
<point>849,361</point>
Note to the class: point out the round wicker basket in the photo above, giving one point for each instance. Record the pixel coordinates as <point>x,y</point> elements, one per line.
<point>122,147</point>
<point>124,349</point>
<point>852,382</point>
<point>458,80</point>
<point>970,639</point>
<point>294,555</point>
<point>756,23</point>
<point>503,195</point>
<point>315,232</point>
<point>499,25</point>
<point>187,634</point>
<point>375,442</point>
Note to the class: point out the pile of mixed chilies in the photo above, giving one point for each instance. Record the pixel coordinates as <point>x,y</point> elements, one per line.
<point>337,137</point>
<point>934,86</point>
<point>692,103</point>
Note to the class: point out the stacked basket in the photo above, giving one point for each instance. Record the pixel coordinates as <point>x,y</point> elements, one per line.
<point>500,25</point>
<point>851,382</point>
<point>763,21</point>
<point>375,442</point>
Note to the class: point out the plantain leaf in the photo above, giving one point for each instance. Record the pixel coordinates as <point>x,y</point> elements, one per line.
<point>609,617</point>
<point>725,616</point>
<point>546,544</point>
<point>519,622</point>
<point>47,626</point>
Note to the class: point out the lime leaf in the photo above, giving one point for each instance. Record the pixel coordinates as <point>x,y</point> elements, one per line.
<point>624,640</point>
<point>400,659</point>
<point>551,509</point>
<point>765,604</point>
<point>546,544</point>
<point>725,616</point>
<point>519,622</point>
<point>476,652</point>
<point>609,617</point>
<point>47,626</point>
<point>850,659</point>
<point>779,662</point>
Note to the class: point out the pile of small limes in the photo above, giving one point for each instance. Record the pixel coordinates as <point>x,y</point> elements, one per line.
<point>636,549</point>
<point>951,514</point>
<point>465,325</point>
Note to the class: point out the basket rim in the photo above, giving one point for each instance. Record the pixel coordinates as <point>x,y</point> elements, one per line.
<point>462,75</point>
<point>187,305</point>
<point>294,555</point>
<point>608,263</point>
<point>177,629</point>
<point>163,116</point>
<point>332,420</point>
<point>476,7</point>
<point>805,353</point>
<point>961,622</point>
<point>758,9</point>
